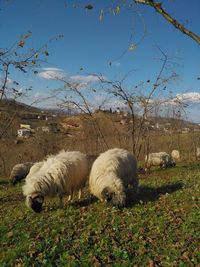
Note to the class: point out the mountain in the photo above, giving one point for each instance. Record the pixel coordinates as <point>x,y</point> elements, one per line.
<point>10,105</point>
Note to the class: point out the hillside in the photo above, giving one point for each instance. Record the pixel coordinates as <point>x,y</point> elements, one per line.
<point>12,105</point>
<point>24,110</point>
<point>91,134</point>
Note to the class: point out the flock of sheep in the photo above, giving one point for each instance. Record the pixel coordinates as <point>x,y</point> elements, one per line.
<point>68,171</point>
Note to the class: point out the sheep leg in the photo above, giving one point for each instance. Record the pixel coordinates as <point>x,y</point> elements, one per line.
<point>61,201</point>
<point>79,193</point>
<point>70,196</point>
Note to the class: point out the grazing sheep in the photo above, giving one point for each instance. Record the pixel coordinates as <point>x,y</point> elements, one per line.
<point>20,171</point>
<point>60,174</point>
<point>111,174</point>
<point>175,155</point>
<point>198,153</point>
<point>36,166</point>
<point>161,159</point>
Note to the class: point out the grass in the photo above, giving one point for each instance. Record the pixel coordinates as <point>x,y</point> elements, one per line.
<point>158,228</point>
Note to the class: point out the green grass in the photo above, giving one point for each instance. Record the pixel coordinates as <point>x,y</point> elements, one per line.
<point>158,228</point>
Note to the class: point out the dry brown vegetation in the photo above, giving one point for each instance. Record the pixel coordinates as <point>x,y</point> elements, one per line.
<point>89,134</point>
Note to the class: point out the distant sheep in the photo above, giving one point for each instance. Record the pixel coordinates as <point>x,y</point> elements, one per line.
<point>60,174</point>
<point>175,154</point>
<point>198,153</point>
<point>111,174</point>
<point>20,171</point>
<point>161,159</point>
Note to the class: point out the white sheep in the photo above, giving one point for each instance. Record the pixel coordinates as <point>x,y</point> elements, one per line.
<point>20,171</point>
<point>175,154</point>
<point>35,167</point>
<point>111,174</point>
<point>161,159</point>
<point>60,174</point>
<point>198,153</point>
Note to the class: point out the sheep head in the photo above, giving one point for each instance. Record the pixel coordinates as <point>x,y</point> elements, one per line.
<point>35,202</point>
<point>116,199</point>
<point>15,179</point>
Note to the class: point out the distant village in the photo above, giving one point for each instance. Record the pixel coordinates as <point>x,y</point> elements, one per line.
<point>25,130</point>
<point>50,124</point>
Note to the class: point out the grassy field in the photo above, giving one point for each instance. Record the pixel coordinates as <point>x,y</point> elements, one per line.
<point>158,228</point>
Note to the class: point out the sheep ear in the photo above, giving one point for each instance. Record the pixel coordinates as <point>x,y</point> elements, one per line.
<point>107,194</point>
<point>40,199</point>
<point>29,201</point>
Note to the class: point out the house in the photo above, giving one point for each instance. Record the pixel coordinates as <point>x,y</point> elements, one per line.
<point>45,129</point>
<point>23,132</point>
<point>118,111</point>
<point>185,130</point>
<point>51,127</point>
<point>25,126</point>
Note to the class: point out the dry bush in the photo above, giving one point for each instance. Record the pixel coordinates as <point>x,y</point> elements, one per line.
<point>87,139</point>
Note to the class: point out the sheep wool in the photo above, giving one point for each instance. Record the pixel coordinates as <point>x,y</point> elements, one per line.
<point>161,159</point>
<point>36,166</point>
<point>198,153</point>
<point>111,174</point>
<point>175,155</point>
<point>20,171</point>
<point>60,174</point>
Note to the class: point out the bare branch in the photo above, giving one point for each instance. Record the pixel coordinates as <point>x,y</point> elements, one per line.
<point>85,108</point>
<point>3,88</point>
<point>158,7</point>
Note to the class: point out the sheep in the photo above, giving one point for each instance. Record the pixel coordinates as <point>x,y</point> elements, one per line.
<point>110,175</point>
<point>60,174</point>
<point>161,159</point>
<point>175,154</point>
<point>198,153</point>
<point>20,171</point>
<point>36,166</point>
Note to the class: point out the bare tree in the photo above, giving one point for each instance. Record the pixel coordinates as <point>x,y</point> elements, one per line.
<point>143,101</point>
<point>162,11</point>
<point>116,7</point>
<point>75,99</point>
<point>142,106</point>
<point>24,58</point>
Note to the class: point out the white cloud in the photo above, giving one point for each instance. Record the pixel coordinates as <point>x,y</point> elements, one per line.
<point>80,81</point>
<point>41,100</point>
<point>81,85</point>
<point>52,74</point>
<point>84,79</point>
<point>105,102</point>
<point>36,98</point>
<point>39,95</point>
<point>191,97</point>
<point>13,89</point>
<point>116,104</point>
<point>9,81</point>
<point>185,98</point>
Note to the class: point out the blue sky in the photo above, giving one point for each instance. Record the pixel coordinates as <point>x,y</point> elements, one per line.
<point>90,44</point>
